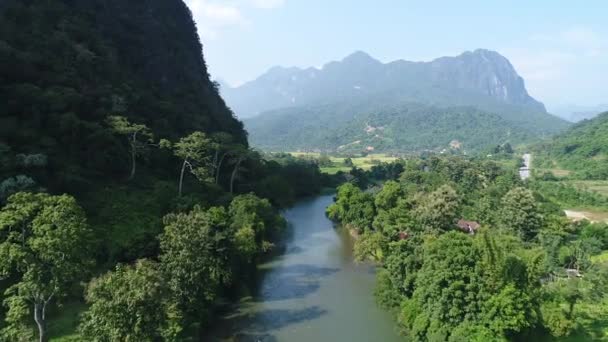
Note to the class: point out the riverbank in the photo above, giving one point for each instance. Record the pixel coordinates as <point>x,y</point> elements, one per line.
<point>314,291</point>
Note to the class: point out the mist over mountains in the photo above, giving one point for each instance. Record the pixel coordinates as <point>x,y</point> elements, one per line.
<point>480,77</point>
<point>334,106</point>
<point>576,113</point>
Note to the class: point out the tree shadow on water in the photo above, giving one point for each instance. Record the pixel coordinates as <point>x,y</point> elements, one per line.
<point>294,281</point>
<point>258,326</point>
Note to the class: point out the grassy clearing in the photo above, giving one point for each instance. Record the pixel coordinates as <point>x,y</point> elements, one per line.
<point>594,324</point>
<point>601,258</point>
<point>63,323</point>
<point>599,186</point>
<point>557,172</point>
<point>364,163</point>
<point>588,214</point>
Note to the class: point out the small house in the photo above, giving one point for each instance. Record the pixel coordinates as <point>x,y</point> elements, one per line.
<point>403,235</point>
<point>468,226</point>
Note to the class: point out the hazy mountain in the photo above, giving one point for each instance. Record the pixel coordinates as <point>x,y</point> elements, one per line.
<point>482,78</point>
<point>576,113</point>
<point>476,98</point>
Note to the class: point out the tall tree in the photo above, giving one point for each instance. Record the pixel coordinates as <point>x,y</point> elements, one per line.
<point>240,154</point>
<point>194,257</point>
<point>138,135</point>
<point>439,209</point>
<point>128,304</point>
<point>44,247</point>
<point>194,152</point>
<point>520,213</point>
<point>222,145</point>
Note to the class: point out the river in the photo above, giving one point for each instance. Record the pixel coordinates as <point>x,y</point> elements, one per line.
<point>314,292</point>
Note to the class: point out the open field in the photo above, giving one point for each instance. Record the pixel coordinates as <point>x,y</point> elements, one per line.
<point>584,214</point>
<point>365,163</point>
<point>601,258</point>
<point>600,186</point>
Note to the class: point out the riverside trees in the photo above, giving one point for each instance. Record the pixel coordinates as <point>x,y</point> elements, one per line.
<point>200,253</point>
<point>44,248</point>
<point>525,271</point>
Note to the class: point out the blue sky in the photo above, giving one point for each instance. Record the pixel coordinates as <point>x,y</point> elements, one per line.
<point>559,47</point>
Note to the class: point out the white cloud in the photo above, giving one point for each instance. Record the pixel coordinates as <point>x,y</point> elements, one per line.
<point>212,16</point>
<point>539,64</point>
<point>583,37</point>
<point>552,63</point>
<point>267,3</point>
<point>578,38</point>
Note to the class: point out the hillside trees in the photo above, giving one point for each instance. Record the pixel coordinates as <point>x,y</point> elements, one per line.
<point>203,252</point>
<point>520,213</point>
<point>438,210</point>
<point>193,150</point>
<point>128,304</point>
<point>134,133</point>
<point>194,257</point>
<point>44,245</point>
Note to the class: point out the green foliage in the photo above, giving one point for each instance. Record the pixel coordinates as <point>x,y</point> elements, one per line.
<point>535,274</point>
<point>249,212</point>
<point>582,148</point>
<point>370,247</point>
<point>194,151</point>
<point>77,62</point>
<point>354,207</point>
<point>438,210</point>
<point>128,304</point>
<point>44,250</point>
<point>568,195</point>
<point>520,213</point>
<point>456,286</point>
<point>398,127</point>
<point>135,134</point>
<point>194,257</point>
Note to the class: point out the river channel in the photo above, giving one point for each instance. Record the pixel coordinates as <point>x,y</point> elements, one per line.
<point>313,292</point>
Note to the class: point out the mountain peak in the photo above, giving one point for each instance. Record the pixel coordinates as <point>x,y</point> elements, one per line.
<point>360,57</point>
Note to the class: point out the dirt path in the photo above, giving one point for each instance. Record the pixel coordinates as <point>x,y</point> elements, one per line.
<point>577,215</point>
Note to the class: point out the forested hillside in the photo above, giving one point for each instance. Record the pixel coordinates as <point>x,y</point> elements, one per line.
<point>122,169</point>
<point>358,126</point>
<point>476,98</point>
<point>67,65</point>
<point>583,149</point>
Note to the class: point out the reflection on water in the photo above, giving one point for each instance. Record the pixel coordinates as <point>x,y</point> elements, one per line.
<point>313,292</point>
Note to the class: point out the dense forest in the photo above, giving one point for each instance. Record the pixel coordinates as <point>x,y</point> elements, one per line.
<point>123,170</point>
<point>412,127</point>
<point>469,252</point>
<point>583,149</point>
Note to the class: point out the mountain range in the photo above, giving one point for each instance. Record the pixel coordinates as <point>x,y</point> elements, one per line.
<point>480,76</point>
<point>576,113</point>
<point>341,99</point>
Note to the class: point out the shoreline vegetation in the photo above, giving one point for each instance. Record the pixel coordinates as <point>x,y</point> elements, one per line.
<point>407,225</point>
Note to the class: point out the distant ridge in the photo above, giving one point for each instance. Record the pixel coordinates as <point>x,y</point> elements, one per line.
<point>482,78</point>
<point>476,99</point>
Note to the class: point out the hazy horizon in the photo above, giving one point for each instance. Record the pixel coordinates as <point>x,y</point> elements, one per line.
<point>559,48</point>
